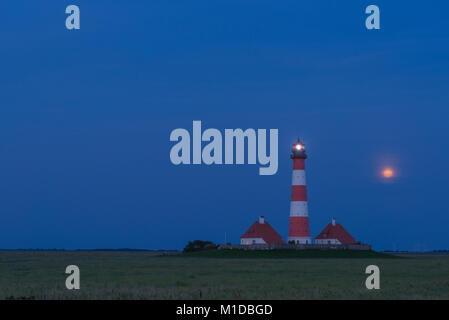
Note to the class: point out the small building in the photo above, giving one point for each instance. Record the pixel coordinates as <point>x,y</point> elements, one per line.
<point>334,233</point>
<point>260,232</point>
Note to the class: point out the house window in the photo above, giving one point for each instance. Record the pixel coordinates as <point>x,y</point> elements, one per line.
<point>328,241</point>
<point>254,241</point>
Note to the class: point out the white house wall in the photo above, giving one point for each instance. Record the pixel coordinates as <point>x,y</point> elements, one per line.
<point>247,241</point>
<point>326,241</point>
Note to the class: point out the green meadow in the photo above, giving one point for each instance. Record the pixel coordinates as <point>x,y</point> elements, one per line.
<point>222,275</point>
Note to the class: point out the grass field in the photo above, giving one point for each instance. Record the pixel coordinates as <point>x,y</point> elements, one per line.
<point>215,275</point>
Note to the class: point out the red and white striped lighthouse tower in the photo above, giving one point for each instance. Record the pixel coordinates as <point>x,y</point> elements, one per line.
<point>299,215</point>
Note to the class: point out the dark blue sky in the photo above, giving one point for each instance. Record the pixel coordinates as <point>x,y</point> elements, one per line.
<point>85,119</point>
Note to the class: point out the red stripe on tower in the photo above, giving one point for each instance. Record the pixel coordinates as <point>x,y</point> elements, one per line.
<point>299,193</point>
<point>299,215</point>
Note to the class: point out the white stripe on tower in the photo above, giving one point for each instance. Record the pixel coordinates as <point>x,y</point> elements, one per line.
<point>299,178</point>
<point>299,209</point>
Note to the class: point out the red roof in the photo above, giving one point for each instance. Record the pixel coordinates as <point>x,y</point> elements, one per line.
<point>264,231</point>
<point>336,232</point>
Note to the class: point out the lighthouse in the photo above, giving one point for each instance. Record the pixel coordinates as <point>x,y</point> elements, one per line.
<point>299,216</point>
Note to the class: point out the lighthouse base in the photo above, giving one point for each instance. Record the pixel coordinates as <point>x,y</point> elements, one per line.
<point>300,240</point>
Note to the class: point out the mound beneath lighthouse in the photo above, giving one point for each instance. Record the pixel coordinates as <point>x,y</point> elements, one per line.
<point>288,254</point>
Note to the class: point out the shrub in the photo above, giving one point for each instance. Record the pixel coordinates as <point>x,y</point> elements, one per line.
<point>199,245</point>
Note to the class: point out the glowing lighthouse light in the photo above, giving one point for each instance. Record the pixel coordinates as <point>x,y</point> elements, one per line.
<point>388,173</point>
<point>299,146</point>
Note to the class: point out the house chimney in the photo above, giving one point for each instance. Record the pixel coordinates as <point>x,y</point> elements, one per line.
<point>261,220</point>
<point>333,221</point>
